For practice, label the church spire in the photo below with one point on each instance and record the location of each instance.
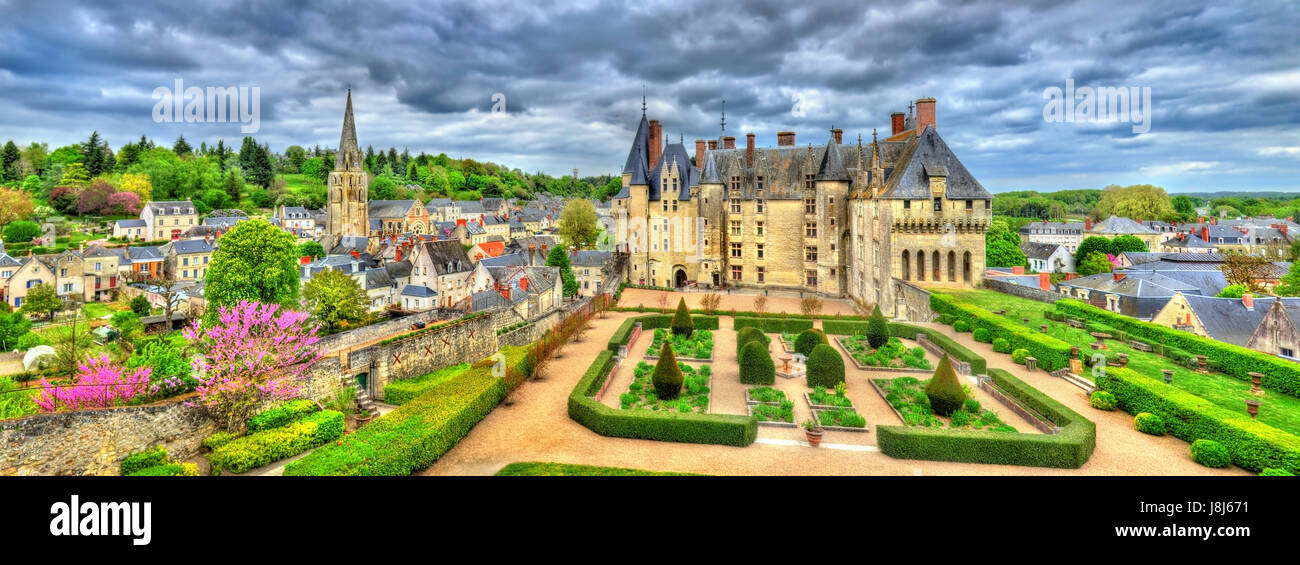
(349, 156)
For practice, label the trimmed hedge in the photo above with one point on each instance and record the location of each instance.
(168, 470)
(1102, 400)
(151, 457)
(844, 327)
(417, 433)
(401, 391)
(655, 425)
(218, 439)
(624, 331)
(271, 445)
(1051, 353)
(1149, 423)
(1068, 449)
(825, 367)
(1253, 445)
(750, 334)
(747, 313)
(281, 414)
(1279, 374)
(958, 351)
(756, 366)
(1210, 453)
(808, 339)
(774, 325)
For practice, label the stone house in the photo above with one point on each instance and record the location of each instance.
(398, 217)
(591, 269)
(1278, 332)
(1065, 234)
(31, 272)
(187, 259)
(1048, 257)
(169, 219)
(442, 266)
(102, 273)
(136, 229)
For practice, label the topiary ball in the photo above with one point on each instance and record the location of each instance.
(1018, 356)
(825, 367)
(667, 377)
(1001, 345)
(1149, 423)
(809, 339)
(756, 366)
(1102, 400)
(1210, 453)
(747, 335)
(945, 391)
(960, 326)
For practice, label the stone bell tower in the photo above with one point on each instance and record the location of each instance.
(348, 184)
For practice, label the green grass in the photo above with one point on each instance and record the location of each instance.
(699, 345)
(1278, 410)
(694, 396)
(403, 390)
(96, 310)
(569, 470)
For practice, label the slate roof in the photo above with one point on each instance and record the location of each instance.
(389, 208)
(447, 257)
(1135, 283)
(487, 300)
(832, 166)
(1040, 251)
(491, 204)
(145, 254)
(398, 269)
(589, 258)
(674, 155)
(637, 155)
(910, 180)
(190, 246)
(1227, 319)
(472, 207)
(377, 277)
(164, 207)
(131, 224)
(418, 290)
(507, 260)
(1053, 228)
(1118, 226)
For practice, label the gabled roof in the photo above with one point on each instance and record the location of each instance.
(507, 260)
(675, 155)
(910, 179)
(189, 246)
(390, 208)
(1120, 226)
(145, 254)
(447, 257)
(418, 291)
(1040, 251)
(131, 224)
(398, 269)
(1227, 319)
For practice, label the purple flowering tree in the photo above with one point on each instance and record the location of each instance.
(99, 384)
(255, 352)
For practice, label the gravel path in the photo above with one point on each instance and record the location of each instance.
(537, 428)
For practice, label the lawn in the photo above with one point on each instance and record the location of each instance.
(694, 396)
(569, 470)
(907, 395)
(698, 345)
(1278, 410)
(97, 310)
(403, 390)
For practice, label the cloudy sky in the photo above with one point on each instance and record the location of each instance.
(1224, 78)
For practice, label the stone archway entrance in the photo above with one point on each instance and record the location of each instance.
(679, 277)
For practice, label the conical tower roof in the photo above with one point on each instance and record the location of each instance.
(349, 157)
(832, 166)
(710, 174)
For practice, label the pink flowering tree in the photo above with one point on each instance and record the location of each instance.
(99, 384)
(123, 204)
(254, 352)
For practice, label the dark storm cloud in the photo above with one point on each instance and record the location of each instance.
(1223, 77)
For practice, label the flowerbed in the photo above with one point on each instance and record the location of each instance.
(820, 397)
(765, 395)
(907, 396)
(698, 345)
(843, 419)
(781, 414)
(892, 355)
(694, 396)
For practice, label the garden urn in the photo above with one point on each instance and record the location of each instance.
(1169, 376)
(814, 436)
(1252, 407)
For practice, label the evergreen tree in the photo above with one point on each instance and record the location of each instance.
(944, 390)
(221, 152)
(182, 147)
(93, 151)
(558, 258)
(9, 160)
(877, 328)
(682, 323)
(667, 376)
(234, 187)
(248, 153)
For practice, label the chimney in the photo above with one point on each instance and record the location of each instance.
(573, 251)
(896, 123)
(1087, 224)
(729, 142)
(1017, 270)
(1205, 233)
(1283, 228)
(523, 283)
(1117, 276)
(1045, 281)
(785, 138)
(1248, 301)
(925, 114)
(304, 260)
(1189, 318)
(839, 136)
(398, 255)
(355, 254)
(699, 153)
(656, 142)
(713, 144)
(749, 150)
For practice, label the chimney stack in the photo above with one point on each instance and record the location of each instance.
(1205, 234)
(1087, 224)
(656, 142)
(896, 123)
(1045, 281)
(729, 142)
(785, 138)
(839, 136)
(713, 144)
(523, 283)
(355, 254)
(699, 153)
(749, 150)
(925, 114)
(1248, 301)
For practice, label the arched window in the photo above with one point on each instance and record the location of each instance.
(920, 265)
(907, 265)
(935, 266)
(952, 266)
(965, 268)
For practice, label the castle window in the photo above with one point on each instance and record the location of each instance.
(759, 180)
(761, 273)
(735, 206)
(810, 229)
(970, 204)
(735, 227)
(907, 204)
(938, 204)
(808, 181)
(760, 251)
(674, 205)
(810, 254)
(735, 250)
(810, 205)
(736, 272)
(760, 229)
(812, 278)
(735, 183)
(665, 205)
(758, 206)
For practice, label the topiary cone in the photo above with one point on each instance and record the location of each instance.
(877, 328)
(682, 323)
(667, 377)
(756, 365)
(944, 391)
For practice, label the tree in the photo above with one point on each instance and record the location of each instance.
(252, 354)
(1127, 243)
(13, 326)
(1289, 285)
(877, 328)
(234, 186)
(64, 199)
(137, 184)
(167, 289)
(311, 249)
(558, 258)
(810, 305)
(99, 384)
(42, 299)
(140, 305)
(825, 367)
(32, 184)
(578, 224)
(1247, 270)
(296, 156)
(123, 204)
(1095, 263)
(382, 188)
(256, 262)
(756, 366)
(1092, 244)
(14, 205)
(1184, 206)
(944, 390)
(667, 376)
(21, 231)
(807, 340)
(75, 174)
(94, 198)
(760, 304)
(1139, 202)
(1002, 246)
(129, 329)
(1236, 290)
(681, 322)
(335, 299)
(710, 301)
(9, 157)
(182, 147)
(749, 334)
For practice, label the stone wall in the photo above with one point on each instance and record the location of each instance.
(531, 332)
(463, 342)
(367, 334)
(94, 442)
(912, 303)
(1021, 291)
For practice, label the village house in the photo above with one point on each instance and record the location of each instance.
(187, 259)
(169, 219)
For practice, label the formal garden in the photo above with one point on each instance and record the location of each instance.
(892, 355)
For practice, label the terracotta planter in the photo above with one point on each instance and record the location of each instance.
(363, 420)
(814, 437)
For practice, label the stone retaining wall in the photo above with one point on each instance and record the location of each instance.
(1021, 291)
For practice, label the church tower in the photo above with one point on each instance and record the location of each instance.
(348, 184)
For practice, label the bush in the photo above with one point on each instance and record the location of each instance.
(961, 326)
(30, 340)
(401, 391)
(809, 339)
(756, 366)
(140, 305)
(982, 335)
(21, 231)
(1271, 472)
(877, 328)
(1253, 445)
(273, 444)
(667, 377)
(217, 440)
(281, 414)
(1149, 423)
(948, 344)
(681, 324)
(151, 457)
(1018, 356)
(1052, 353)
(774, 325)
(1102, 400)
(1210, 453)
(944, 391)
(168, 470)
(1001, 345)
(748, 335)
(825, 367)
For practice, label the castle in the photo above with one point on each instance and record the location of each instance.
(855, 220)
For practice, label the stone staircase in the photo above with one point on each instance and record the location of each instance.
(1075, 380)
(364, 403)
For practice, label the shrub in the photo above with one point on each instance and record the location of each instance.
(747, 335)
(775, 325)
(825, 367)
(1253, 445)
(401, 391)
(947, 343)
(30, 340)
(148, 458)
(982, 335)
(877, 328)
(218, 439)
(681, 324)
(1272, 472)
(1210, 453)
(960, 326)
(808, 340)
(944, 390)
(1018, 356)
(1001, 345)
(667, 377)
(971, 405)
(1149, 423)
(271, 445)
(1052, 353)
(281, 414)
(168, 470)
(756, 366)
(1102, 400)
